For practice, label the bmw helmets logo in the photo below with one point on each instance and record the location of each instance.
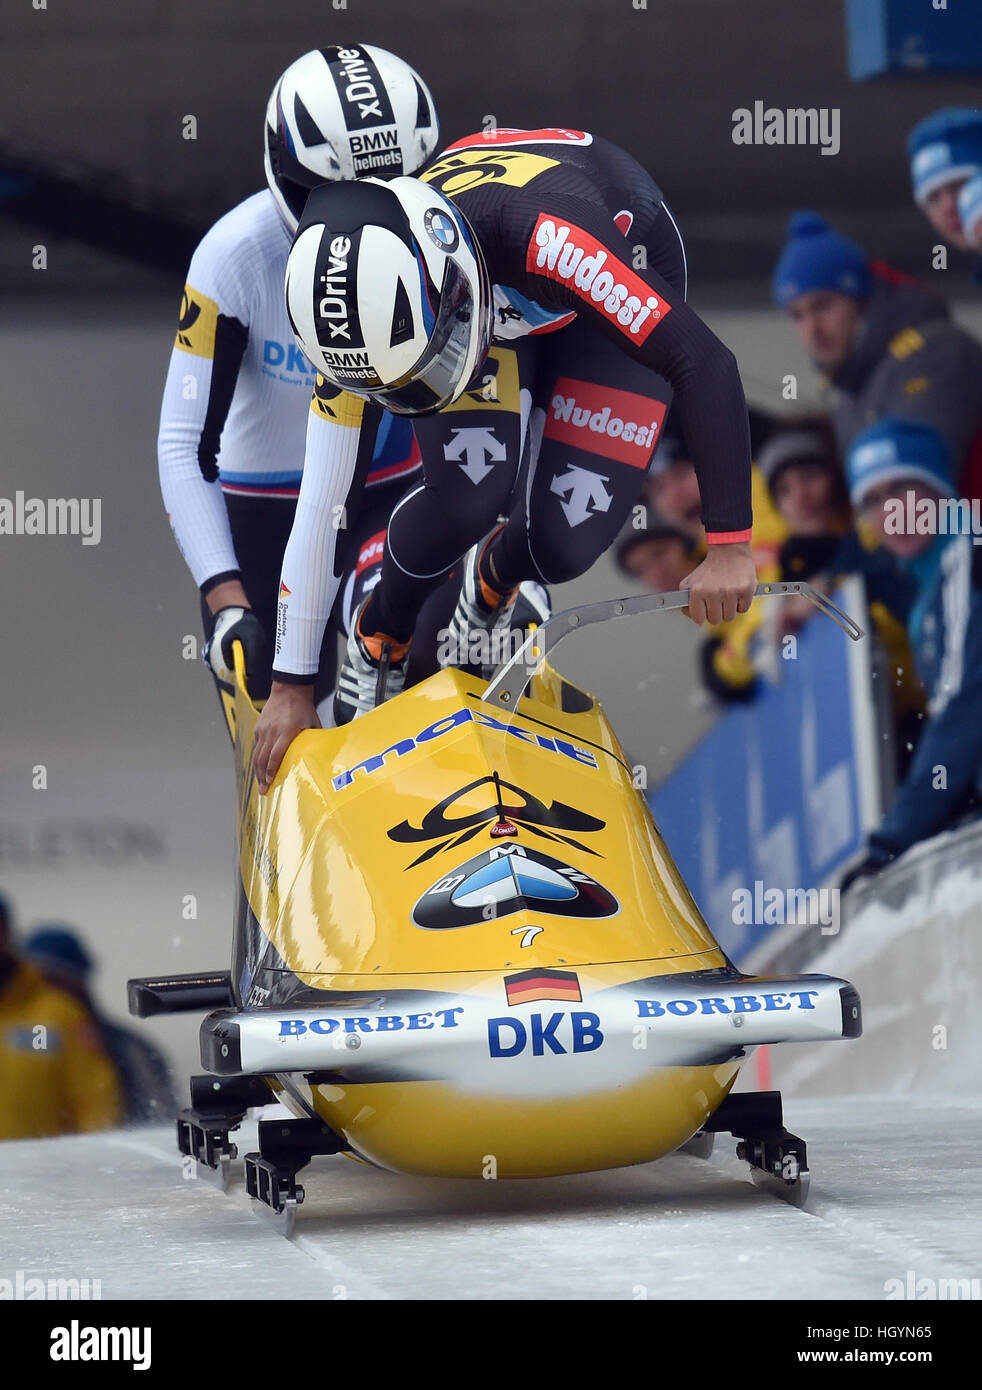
(441, 230)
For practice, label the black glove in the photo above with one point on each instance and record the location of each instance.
(235, 625)
(876, 860)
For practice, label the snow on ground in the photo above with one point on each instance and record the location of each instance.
(894, 1188)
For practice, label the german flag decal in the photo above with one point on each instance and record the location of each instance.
(530, 985)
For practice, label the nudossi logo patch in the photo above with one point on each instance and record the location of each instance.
(566, 253)
(615, 424)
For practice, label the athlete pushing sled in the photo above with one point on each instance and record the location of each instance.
(233, 419)
(526, 294)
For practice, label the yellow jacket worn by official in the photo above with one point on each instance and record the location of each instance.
(55, 1077)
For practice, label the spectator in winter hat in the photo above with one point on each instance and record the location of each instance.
(970, 211)
(144, 1076)
(945, 150)
(55, 1075)
(823, 280)
(900, 479)
(801, 467)
(807, 481)
(886, 346)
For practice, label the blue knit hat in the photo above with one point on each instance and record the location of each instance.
(946, 145)
(898, 449)
(59, 946)
(817, 258)
(970, 209)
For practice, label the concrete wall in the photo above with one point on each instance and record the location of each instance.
(911, 945)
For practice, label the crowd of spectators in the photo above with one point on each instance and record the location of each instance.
(870, 485)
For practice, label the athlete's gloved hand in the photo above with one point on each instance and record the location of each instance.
(235, 625)
(723, 585)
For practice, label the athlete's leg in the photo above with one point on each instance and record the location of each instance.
(471, 455)
(601, 415)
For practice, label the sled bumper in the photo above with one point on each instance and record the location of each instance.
(607, 1037)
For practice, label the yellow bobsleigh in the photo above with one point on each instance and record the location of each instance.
(462, 948)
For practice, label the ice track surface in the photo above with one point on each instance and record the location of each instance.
(894, 1188)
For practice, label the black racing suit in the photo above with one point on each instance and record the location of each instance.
(591, 328)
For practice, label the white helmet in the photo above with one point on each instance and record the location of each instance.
(388, 293)
(342, 113)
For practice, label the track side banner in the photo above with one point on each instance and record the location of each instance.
(779, 795)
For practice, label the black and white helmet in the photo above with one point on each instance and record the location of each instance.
(343, 113)
(388, 293)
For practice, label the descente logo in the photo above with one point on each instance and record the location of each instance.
(572, 256)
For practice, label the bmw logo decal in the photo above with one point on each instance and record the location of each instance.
(507, 879)
(440, 229)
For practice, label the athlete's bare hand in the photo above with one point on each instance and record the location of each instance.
(289, 710)
(723, 585)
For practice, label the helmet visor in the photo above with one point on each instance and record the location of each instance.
(457, 346)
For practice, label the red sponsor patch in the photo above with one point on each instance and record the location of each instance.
(624, 221)
(370, 553)
(509, 135)
(615, 424)
(563, 252)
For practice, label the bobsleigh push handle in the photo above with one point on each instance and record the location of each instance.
(238, 658)
(509, 681)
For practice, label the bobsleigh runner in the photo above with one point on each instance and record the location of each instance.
(462, 949)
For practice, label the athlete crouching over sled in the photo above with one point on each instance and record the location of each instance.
(233, 419)
(495, 300)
